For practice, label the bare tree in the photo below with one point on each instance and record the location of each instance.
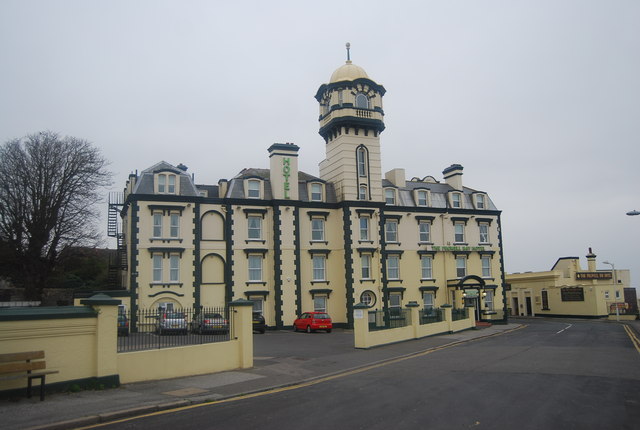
(49, 187)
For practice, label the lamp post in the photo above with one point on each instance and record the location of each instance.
(615, 284)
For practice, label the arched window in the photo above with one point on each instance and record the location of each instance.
(362, 163)
(362, 101)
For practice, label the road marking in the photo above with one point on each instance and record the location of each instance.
(632, 335)
(307, 383)
(566, 328)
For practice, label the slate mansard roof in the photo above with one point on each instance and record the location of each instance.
(236, 188)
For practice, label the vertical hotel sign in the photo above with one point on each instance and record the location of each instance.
(286, 172)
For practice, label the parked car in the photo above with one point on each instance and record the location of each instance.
(258, 323)
(171, 322)
(123, 325)
(312, 321)
(209, 322)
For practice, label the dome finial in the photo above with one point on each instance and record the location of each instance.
(348, 45)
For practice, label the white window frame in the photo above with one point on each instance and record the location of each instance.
(157, 268)
(420, 200)
(157, 225)
(480, 201)
(393, 270)
(254, 265)
(254, 232)
(361, 162)
(428, 300)
(362, 192)
(258, 304)
(320, 303)
(364, 228)
(171, 185)
(461, 267)
(390, 196)
(391, 234)
(367, 298)
(252, 191)
(488, 300)
(318, 267)
(458, 232)
(317, 230)
(486, 266)
(424, 231)
(426, 266)
(316, 192)
(174, 268)
(484, 233)
(365, 264)
(360, 96)
(174, 226)
(456, 200)
(162, 183)
(395, 300)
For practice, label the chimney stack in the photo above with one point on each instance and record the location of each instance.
(284, 170)
(591, 261)
(453, 176)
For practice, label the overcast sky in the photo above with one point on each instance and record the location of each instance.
(538, 100)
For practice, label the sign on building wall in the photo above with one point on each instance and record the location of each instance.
(594, 275)
(574, 294)
(286, 172)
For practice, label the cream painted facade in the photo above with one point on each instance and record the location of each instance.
(568, 290)
(293, 242)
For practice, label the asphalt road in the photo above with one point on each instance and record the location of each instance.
(549, 375)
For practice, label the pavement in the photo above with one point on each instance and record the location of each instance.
(281, 358)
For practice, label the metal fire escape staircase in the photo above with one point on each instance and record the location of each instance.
(117, 262)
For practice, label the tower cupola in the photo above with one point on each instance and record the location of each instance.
(351, 119)
(350, 99)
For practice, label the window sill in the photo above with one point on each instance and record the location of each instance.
(255, 283)
(394, 280)
(425, 243)
(365, 241)
(255, 241)
(165, 239)
(427, 280)
(485, 244)
(367, 280)
(460, 244)
(319, 282)
(321, 242)
(165, 284)
(393, 243)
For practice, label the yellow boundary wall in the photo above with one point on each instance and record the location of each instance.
(84, 346)
(363, 338)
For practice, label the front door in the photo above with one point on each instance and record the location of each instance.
(529, 309)
(473, 301)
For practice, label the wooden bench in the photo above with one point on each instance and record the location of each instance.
(29, 365)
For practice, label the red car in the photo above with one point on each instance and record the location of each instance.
(312, 321)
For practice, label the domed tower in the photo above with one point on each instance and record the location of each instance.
(351, 120)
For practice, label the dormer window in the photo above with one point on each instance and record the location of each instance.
(390, 196)
(166, 184)
(422, 198)
(456, 200)
(162, 183)
(316, 192)
(480, 201)
(362, 101)
(253, 189)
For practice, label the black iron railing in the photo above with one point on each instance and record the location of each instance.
(170, 328)
(459, 314)
(431, 315)
(389, 318)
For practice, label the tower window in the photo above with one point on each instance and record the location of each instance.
(362, 101)
(362, 163)
(362, 192)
